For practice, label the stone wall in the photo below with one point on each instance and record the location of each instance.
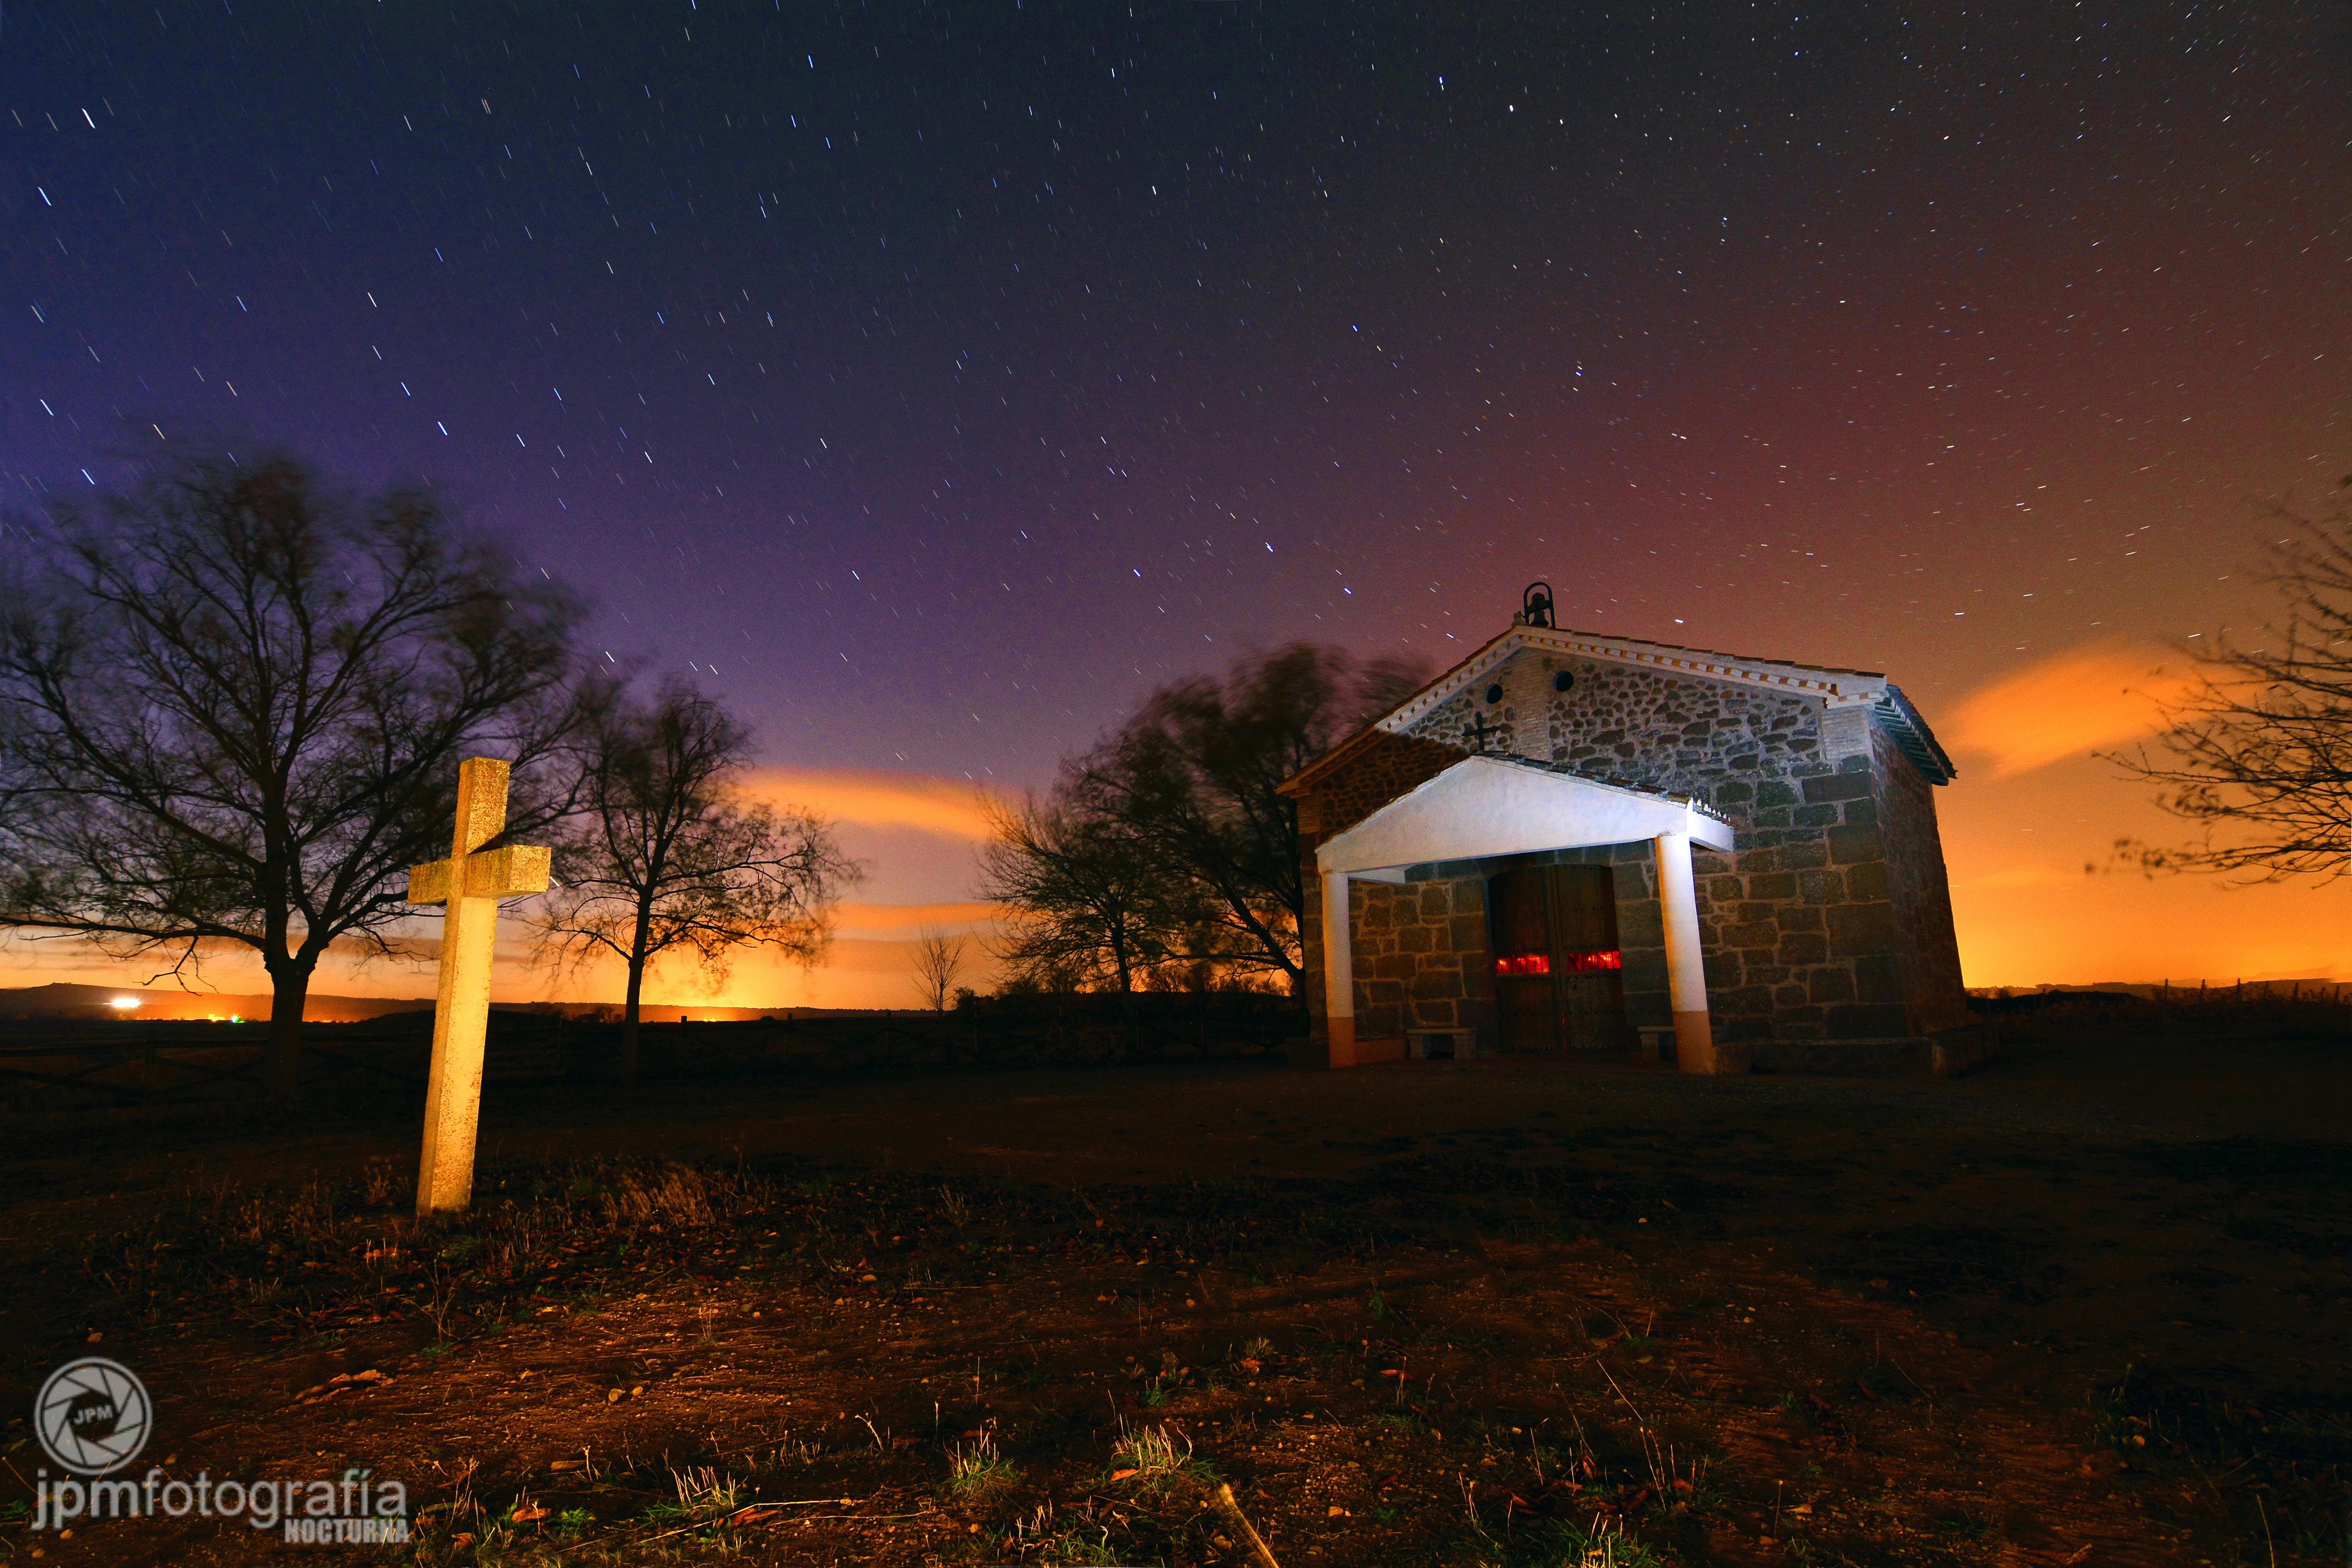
(1795, 923)
(1378, 769)
(1922, 893)
(1381, 768)
(1422, 957)
(1624, 721)
(1831, 919)
(1815, 936)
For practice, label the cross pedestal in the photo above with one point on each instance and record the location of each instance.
(471, 885)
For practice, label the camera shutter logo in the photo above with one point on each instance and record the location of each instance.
(93, 1415)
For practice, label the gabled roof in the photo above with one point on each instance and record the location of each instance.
(1835, 687)
(1911, 735)
(1484, 807)
(1346, 752)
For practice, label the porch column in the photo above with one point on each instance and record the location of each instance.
(1339, 971)
(1686, 969)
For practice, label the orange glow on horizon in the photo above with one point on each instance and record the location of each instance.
(2038, 894)
(2028, 830)
(2100, 695)
(870, 798)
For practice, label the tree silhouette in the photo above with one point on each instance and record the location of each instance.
(938, 958)
(665, 852)
(2258, 758)
(1190, 779)
(232, 701)
(1092, 904)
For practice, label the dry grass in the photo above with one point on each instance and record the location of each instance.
(1537, 1346)
(1434, 1411)
(978, 1471)
(1150, 1461)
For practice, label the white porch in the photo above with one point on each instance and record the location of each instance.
(1482, 807)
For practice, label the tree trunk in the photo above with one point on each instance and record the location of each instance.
(629, 1020)
(281, 1070)
(637, 989)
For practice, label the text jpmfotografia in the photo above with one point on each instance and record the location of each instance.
(353, 1510)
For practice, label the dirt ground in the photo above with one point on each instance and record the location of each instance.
(2086, 1306)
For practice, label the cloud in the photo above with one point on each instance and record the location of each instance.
(2097, 695)
(895, 922)
(868, 798)
(2014, 876)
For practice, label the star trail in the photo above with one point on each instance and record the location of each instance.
(935, 380)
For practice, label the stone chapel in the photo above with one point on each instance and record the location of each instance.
(1577, 841)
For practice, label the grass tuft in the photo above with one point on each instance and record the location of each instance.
(1147, 1461)
(978, 1471)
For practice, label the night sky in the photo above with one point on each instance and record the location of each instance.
(935, 381)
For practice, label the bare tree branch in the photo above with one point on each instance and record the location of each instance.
(231, 701)
(938, 958)
(666, 854)
(2259, 759)
(1092, 904)
(1193, 775)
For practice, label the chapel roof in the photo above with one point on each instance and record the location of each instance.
(1833, 686)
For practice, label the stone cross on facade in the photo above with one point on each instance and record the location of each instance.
(471, 885)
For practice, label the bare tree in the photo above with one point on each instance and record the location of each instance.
(1192, 776)
(2260, 757)
(938, 957)
(665, 852)
(232, 702)
(1091, 903)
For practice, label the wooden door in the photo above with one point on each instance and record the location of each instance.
(1559, 973)
(1518, 921)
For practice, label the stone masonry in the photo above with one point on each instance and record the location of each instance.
(1422, 957)
(1831, 919)
(1428, 969)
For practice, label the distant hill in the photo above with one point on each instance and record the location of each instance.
(63, 1001)
(2309, 989)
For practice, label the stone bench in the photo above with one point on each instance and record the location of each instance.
(1426, 1044)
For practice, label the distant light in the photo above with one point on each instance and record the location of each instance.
(125, 1003)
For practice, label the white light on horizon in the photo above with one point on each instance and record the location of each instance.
(124, 1003)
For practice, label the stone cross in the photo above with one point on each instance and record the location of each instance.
(471, 885)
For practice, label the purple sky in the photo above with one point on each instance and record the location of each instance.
(942, 379)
